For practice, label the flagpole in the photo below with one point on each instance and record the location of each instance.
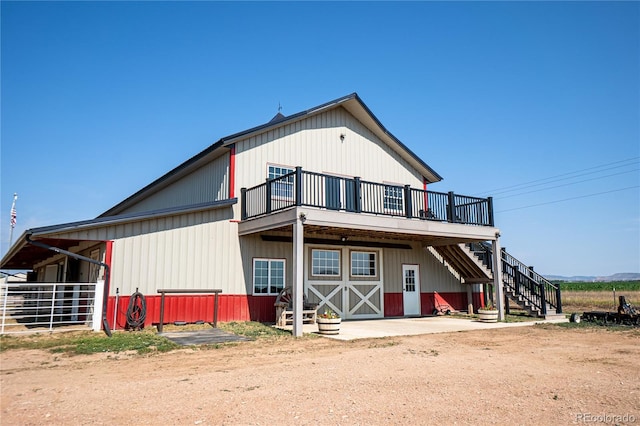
(13, 218)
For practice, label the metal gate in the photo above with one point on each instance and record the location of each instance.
(32, 307)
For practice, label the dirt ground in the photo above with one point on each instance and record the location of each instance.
(524, 375)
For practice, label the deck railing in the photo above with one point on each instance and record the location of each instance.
(31, 307)
(523, 280)
(303, 188)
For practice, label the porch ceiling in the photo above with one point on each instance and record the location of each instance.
(27, 255)
(327, 232)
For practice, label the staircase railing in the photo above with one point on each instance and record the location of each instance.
(522, 280)
(533, 287)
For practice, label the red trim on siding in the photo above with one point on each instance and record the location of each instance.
(108, 251)
(199, 307)
(232, 171)
(393, 305)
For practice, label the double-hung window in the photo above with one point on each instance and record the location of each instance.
(268, 276)
(282, 187)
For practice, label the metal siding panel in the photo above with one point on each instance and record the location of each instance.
(208, 183)
(314, 144)
(176, 255)
(434, 276)
(438, 277)
(393, 261)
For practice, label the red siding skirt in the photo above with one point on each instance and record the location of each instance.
(193, 308)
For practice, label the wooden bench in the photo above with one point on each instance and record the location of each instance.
(284, 308)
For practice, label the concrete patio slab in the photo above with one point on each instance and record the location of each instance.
(376, 328)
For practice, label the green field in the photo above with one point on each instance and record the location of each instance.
(599, 286)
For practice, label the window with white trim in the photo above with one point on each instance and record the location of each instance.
(325, 263)
(393, 198)
(268, 276)
(364, 264)
(282, 188)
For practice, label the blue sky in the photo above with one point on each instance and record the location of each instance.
(503, 98)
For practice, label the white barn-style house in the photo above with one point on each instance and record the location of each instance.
(326, 201)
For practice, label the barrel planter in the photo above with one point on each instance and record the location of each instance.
(328, 325)
(488, 315)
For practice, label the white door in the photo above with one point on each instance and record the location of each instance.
(411, 289)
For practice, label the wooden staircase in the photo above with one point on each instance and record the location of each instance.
(528, 289)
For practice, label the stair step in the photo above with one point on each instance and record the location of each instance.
(554, 316)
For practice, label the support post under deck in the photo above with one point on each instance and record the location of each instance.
(497, 277)
(298, 274)
(469, 299)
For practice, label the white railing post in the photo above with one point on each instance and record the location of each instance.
(4, 305)
(98, 298)
(53, 305)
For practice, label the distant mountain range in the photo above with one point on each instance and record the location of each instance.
(623, 276)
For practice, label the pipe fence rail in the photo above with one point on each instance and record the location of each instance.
(35, 307)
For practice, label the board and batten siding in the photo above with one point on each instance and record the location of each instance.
(314, 143)
(434, 275)
(206, 184)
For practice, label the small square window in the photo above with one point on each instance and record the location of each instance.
(325, 263)
(363, 264)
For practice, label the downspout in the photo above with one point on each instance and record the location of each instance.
(105, 323)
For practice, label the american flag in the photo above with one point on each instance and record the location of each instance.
(14, 216)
